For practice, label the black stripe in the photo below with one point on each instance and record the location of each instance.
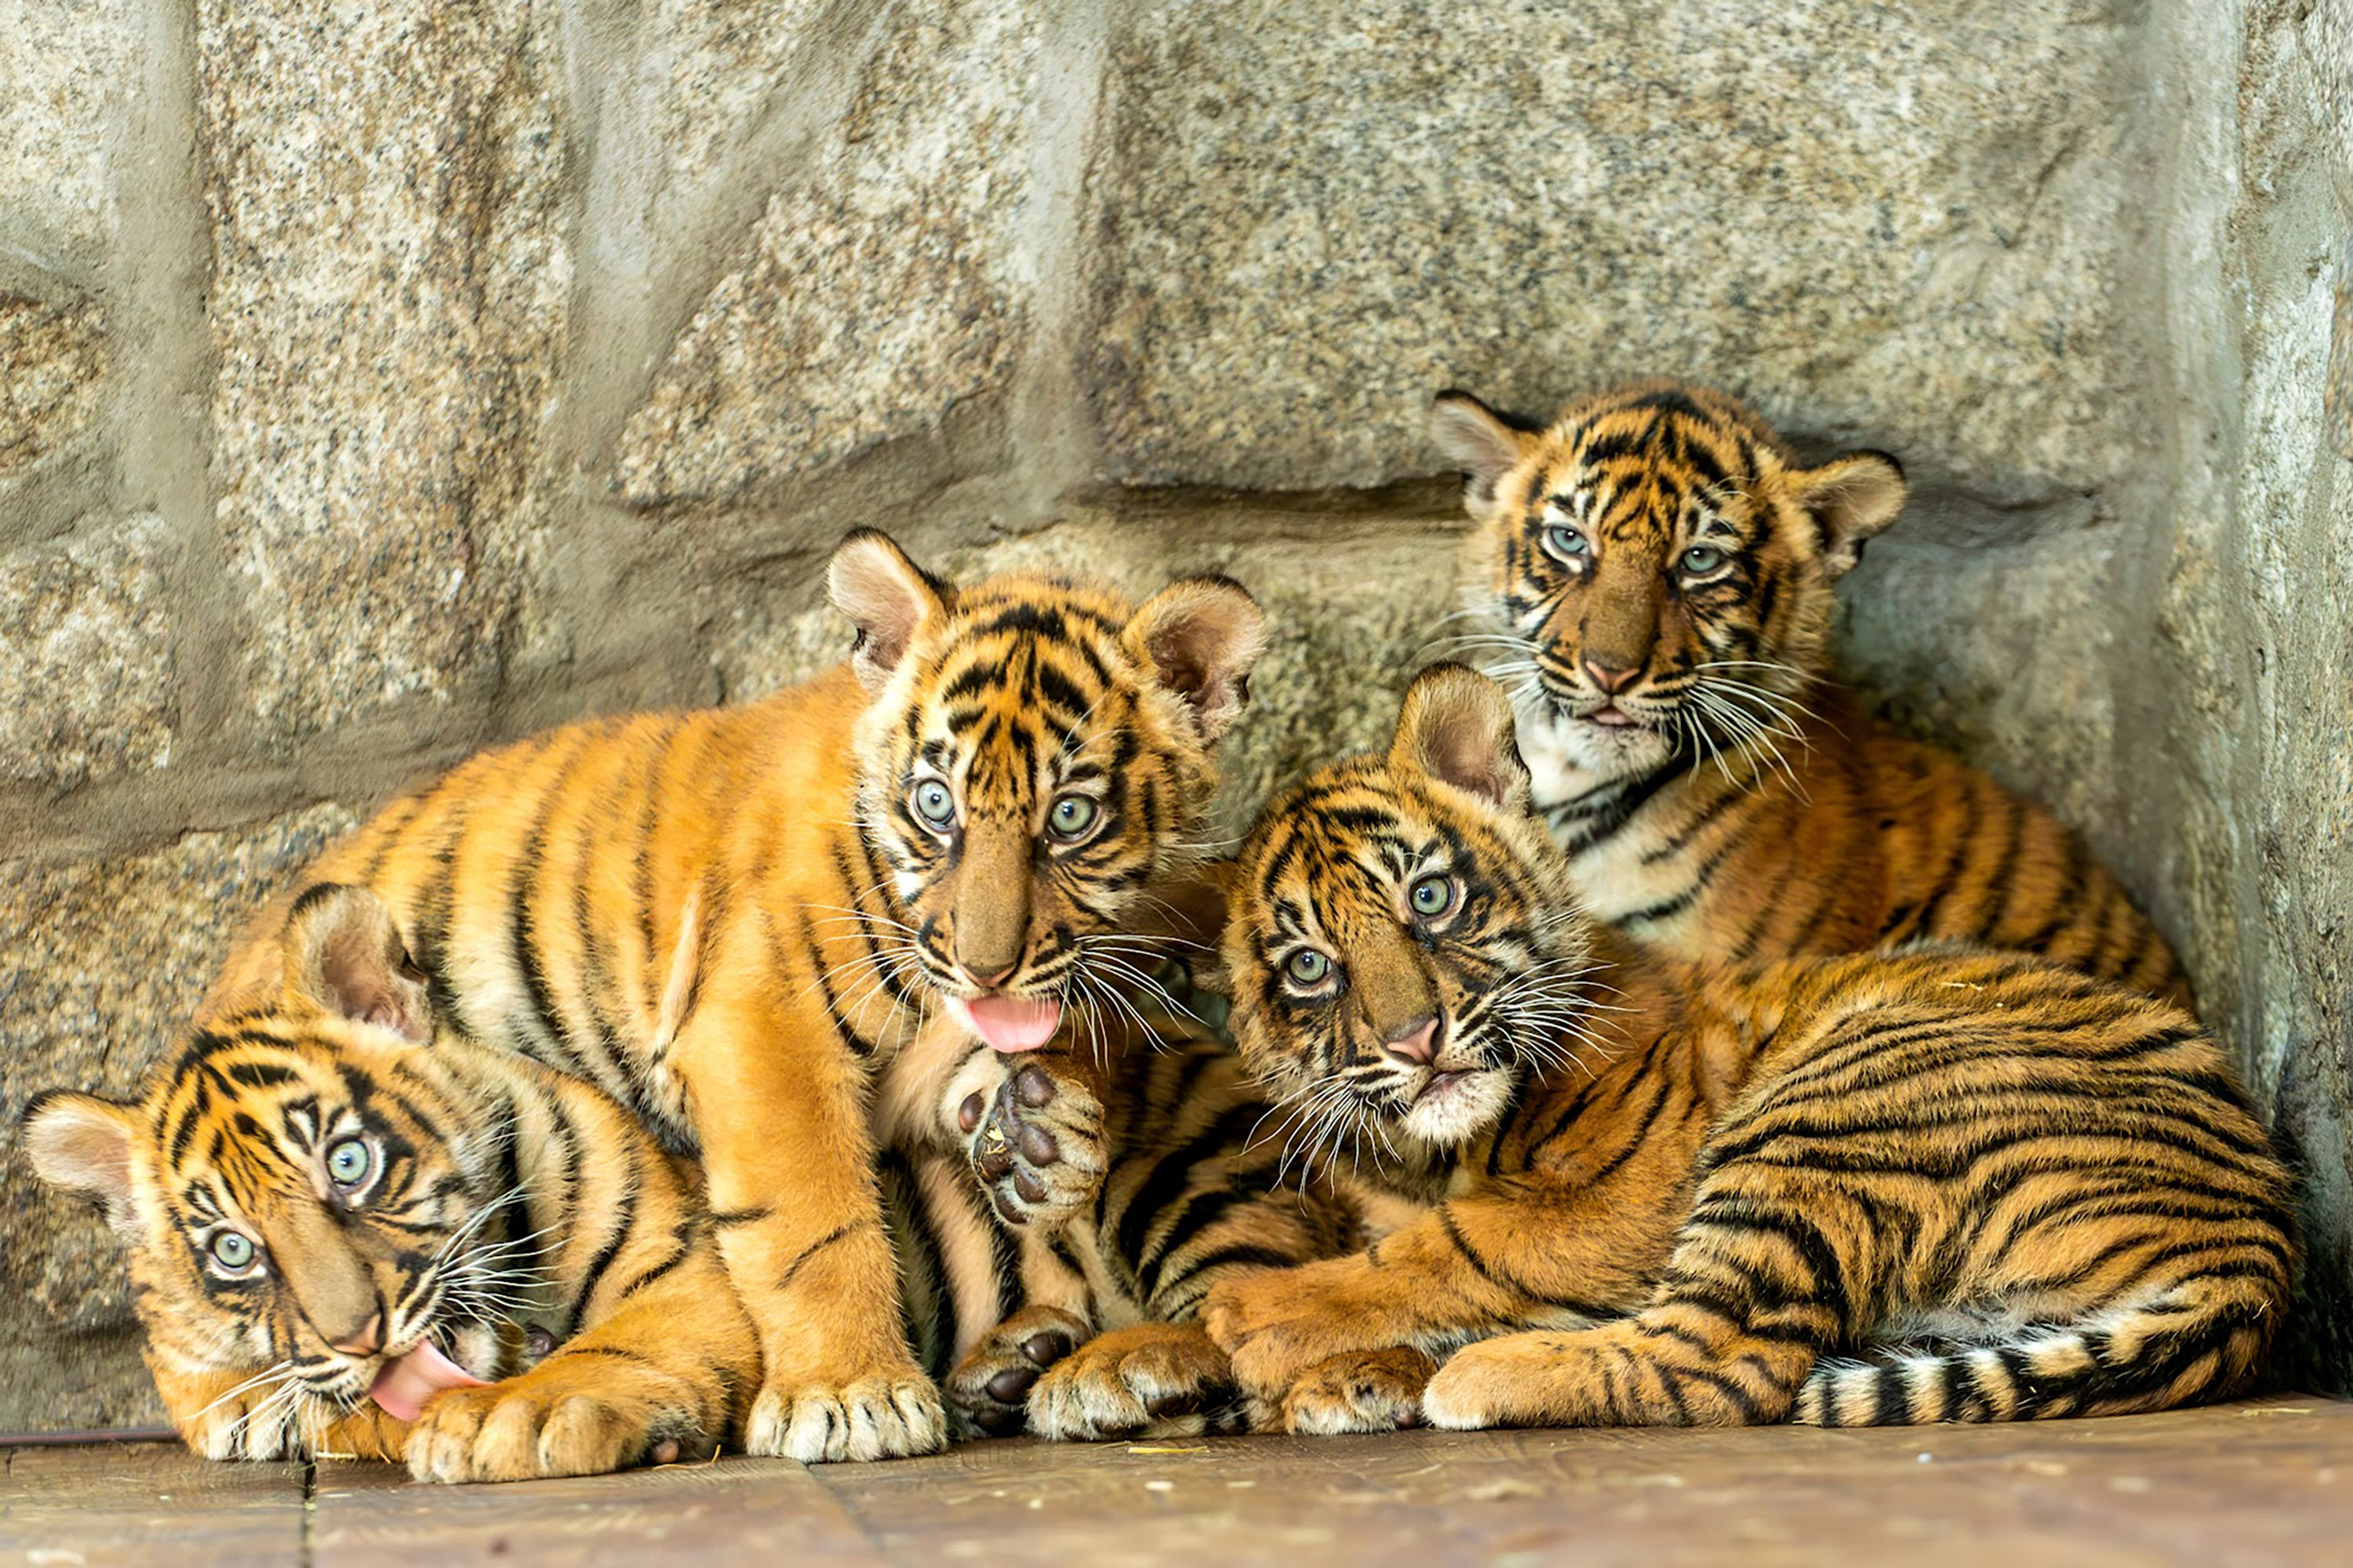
(813, 1248)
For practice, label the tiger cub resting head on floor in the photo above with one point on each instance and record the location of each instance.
(1948, 1184)
(1652, 576)
(352, 1233)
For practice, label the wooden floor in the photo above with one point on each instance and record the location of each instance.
(2266, 1482)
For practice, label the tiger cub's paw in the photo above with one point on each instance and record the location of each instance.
(991, 1384)
(529, 1427)
(891, 1415)
(1364, 1391)
(1151, 1380)
(1279, 1324)
(1036, 1144)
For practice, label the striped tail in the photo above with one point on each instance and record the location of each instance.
(2203, 1339)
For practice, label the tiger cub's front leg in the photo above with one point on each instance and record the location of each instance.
(661, 1377)
(789, 1161)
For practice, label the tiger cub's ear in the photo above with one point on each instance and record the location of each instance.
(1485, 444)
(83, 1144)
(1456, 728)
(1850, 498)
(1201, 635)
(343, 955)
(885, 595)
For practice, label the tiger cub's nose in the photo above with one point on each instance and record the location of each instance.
(1416, 1043)
(1611, 678)
(366, 1339)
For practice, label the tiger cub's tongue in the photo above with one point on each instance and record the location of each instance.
(403, 1385)
(1009, 1022)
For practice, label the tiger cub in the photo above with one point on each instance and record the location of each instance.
(353, 1231)
(733, 920)
(1943, 1184)
(1651, 577)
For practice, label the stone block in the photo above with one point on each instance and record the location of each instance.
(387, 306)
(53, 363)
(1897, 224)
(86, 676)
(878, 290)
(68, 69)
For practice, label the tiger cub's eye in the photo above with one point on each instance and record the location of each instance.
(935, 804)
(1433, 896)
(232, 1249)
(1308, 967)
(1566, 542)
(349, 1163)
(1071, 817)
(1702, 559)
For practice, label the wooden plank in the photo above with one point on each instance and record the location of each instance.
(137, 1503)
(1223, 1501)
(2246, 1485)
(738, 1510)
(2264, 1485)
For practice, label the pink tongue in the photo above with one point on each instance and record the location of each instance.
(403, 1385)
(1011, 1023)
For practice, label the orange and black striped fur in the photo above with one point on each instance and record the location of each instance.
(1940, 1184)
(311, 1190)
(733, 920)
(1076, 1318)
(1651, 577)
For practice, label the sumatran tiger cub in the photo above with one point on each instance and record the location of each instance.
(1651, 577)
(1930, 1185)
(344, 1218)
(733, 920)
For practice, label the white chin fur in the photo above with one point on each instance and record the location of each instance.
(1569, 756)
(1459, 1113)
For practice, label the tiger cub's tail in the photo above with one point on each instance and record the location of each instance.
(2201, 1339)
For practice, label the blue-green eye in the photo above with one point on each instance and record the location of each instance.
(1071, 817)
(232, 1249)
(349, 1163)
(1702, 559)
(1566, 542)
(935, 804)
(1433, 896)
(1308, 967)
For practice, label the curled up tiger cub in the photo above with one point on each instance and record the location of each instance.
(1948, 1184)
(1652, 578)
(352, 1231)
(734, 921)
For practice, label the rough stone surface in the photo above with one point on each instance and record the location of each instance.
(1896, 222)
(716, 62)
(86, 658)
(108, 958)
(68, 69)
(387, 306)
(878, 294)
(53, 360)
(2255, 603)
(1940, 633)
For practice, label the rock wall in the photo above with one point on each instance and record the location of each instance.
(379, 381)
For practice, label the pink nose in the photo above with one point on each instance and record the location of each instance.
(1417, 1043)
(366, 1339)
